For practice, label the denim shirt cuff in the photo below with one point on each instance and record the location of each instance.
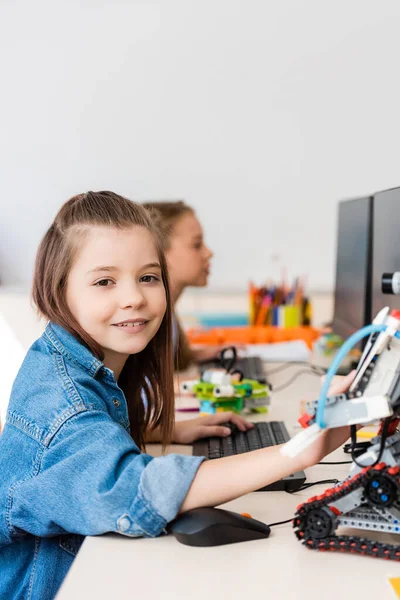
(163, 487)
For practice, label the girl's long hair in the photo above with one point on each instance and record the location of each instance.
(165, 215)
(151, 369)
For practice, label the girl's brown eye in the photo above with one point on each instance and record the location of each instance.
(149, 278)
(103, 282)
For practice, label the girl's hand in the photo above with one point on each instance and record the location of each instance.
(186, 432)
(340, 383)
(331, 439)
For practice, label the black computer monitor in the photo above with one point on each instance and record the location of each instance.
(353, 266)
(386, 246)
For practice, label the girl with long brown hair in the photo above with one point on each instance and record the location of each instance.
(71, 450)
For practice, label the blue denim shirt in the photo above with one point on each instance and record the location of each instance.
(69, 468)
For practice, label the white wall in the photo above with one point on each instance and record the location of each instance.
(262, 114)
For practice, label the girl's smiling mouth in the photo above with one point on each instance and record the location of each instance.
(132, 325)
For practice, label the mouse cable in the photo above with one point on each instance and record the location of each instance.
(305, 486)
(280, 522)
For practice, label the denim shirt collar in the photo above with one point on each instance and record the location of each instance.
(68, 345)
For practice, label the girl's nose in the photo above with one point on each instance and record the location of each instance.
(132, 297)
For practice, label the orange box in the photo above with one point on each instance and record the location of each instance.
(253, 335)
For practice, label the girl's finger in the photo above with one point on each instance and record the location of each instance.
(213, 431)
(341, 385)
(230, 417)
(220, 417)
(227, 417)
(241, 423)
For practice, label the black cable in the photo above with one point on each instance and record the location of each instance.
(311, 366)
(340, 462)
(280, 522)
(358, 449)
(297, 362)
(305, 486)
(384, 434)
(288, 383)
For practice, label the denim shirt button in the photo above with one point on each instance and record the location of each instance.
(124, 523)
(116, 402)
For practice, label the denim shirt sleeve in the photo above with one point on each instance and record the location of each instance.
(94, 480)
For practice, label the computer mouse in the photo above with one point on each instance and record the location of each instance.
(216, 527)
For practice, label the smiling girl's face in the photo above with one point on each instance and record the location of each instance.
(115, 291)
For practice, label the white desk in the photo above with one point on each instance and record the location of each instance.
(279, 567)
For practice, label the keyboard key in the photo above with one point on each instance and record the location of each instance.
(214, 447)
(253, 439)
(227, 446)
(280, 435)
(266, 436)
(241, 442)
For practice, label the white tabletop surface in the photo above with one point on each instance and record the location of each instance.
(122, 568)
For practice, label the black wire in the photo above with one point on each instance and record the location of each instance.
(359, 448)
(280, 522)
(384, 434)
(305, 486)
(340, 462)
(297, 362)
(288, 383)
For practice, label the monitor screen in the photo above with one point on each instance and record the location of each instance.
(353, 266)
(386, 246)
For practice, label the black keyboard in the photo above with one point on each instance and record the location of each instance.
(250, 366)
(262, 435)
